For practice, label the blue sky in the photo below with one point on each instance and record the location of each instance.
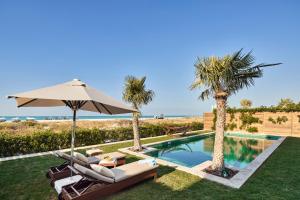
(47, 42)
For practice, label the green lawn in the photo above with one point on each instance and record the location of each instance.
(278, 178)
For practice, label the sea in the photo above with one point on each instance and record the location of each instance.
(99, 117)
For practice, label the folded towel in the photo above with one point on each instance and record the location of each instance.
(93, 160)
(149, 161)
(108, 161)
(108, 158)
(58, 185)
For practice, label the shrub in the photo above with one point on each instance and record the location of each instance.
(252, 129)
(248, 119)
(29, 123)
(272, 120)
(231, 126)
(279, 120)
(46, 140)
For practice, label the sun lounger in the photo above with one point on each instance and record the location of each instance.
(62, 171)
(94, 186)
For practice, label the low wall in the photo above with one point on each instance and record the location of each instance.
(291, 127)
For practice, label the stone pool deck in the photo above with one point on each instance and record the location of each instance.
(235, 182)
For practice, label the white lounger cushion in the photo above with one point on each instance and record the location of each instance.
(65, 181)
(93, 174)
(126, 171)
(108, 162)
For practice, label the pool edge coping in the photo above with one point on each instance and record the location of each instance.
(235, 182)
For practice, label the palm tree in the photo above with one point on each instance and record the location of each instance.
(222, 77)
(135, 93)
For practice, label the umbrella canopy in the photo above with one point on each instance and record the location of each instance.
(75, 95)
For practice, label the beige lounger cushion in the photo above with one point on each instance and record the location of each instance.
(126, 171)
(115, 155)
(93, 174)
(102, 170)
(93, 152)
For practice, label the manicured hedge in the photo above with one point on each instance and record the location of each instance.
(46, 140)
(264, 109)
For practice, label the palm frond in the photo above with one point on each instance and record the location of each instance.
(229, 73)
(205, 94)
(135, 92)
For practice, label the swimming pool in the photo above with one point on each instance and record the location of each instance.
(239, 149)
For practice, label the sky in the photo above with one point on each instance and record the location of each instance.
(43, 43)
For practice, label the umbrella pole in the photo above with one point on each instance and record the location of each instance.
(73, 137)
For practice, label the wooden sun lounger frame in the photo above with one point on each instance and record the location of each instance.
(91, 189)
(62, 171)
(58, 172)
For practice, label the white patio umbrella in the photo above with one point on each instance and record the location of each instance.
(74, 94)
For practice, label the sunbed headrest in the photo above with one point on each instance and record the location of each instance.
(68, 157)
(92, 174)
(59, 153)
(63, 155)
(81, 157)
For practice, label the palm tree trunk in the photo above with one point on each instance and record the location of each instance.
(136, 136)
(218, 156)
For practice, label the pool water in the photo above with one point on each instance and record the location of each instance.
(239, 150)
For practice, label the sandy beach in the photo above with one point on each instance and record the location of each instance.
(28, 127)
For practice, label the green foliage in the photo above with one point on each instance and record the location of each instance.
(135, 92)
(226, 75)
(274, 109)
(272, 120)
(46, 140)
(231, 126)
(286, 103)
(247, 120)
(246, 103)
(30, 123)
(279, 120)
(231, 117)
(252, 129)
(282, 119)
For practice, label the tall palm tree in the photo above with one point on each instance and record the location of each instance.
(222, 77)
(135, 92)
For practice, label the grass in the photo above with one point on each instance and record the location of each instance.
(278, 178)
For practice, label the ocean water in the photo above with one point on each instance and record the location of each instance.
(99, 117)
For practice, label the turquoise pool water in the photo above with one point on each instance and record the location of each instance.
(239, 149)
